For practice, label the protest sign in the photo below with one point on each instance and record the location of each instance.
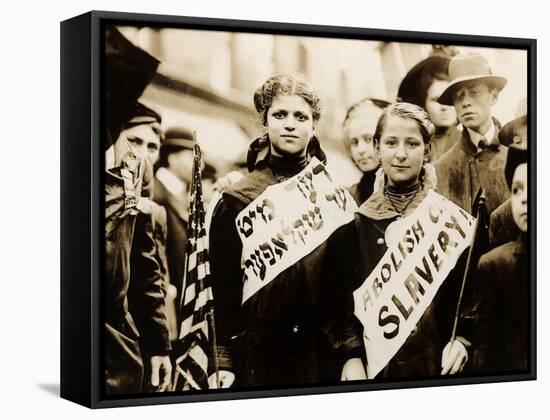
(422, 249)
(288, 221)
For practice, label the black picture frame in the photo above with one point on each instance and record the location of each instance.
(82, 208)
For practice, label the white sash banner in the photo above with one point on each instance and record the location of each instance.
(288, 221)
(422, 249)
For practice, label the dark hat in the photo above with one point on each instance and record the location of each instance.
(506, 133)
(515, 157)
(414, 86)
(128, 70)
(465, 68)
(179, 137)
(143, 114)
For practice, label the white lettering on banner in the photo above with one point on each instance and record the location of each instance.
(288, 221)
(422, 249)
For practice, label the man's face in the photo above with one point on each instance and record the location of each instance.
(473, 101)
(145, 141)
(519, 197)
(181, 164)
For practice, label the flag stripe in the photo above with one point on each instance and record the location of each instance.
(190, 294)
(193, 349)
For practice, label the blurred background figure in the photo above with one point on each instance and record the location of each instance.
(172, 184)
(422, 86)
(359, 127)
(208, 182)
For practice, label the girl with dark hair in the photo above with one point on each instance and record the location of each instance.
(289, 332)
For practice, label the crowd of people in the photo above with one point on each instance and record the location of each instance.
(438, 140)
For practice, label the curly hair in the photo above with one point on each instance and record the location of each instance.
(409, 111)
(285, 84)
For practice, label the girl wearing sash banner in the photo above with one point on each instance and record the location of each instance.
(291, 330)
(396, 286)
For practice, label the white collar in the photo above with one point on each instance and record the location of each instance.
(172, 183)
(110, 158)
(489, 136)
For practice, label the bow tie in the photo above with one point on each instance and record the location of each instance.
(482, 144)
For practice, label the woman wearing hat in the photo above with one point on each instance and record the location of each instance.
(422, 86)
(288, 332)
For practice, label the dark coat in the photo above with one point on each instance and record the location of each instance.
(496, 318)
(146, 299)
(129, 258)
(291, 331)
(364, 241)
(502, 227)
(443, 140)
(176, 235)
(462, 171)
(363, 189)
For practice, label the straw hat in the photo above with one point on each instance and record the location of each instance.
(465, 68)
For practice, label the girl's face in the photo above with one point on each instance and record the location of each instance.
(402, 151)
(289, 125)
(519, 197)
(360, 129)
(440, 115)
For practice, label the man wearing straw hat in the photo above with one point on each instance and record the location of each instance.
(477, 159)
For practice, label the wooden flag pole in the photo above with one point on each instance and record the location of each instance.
(210, 314)
(480, 202)
(214, 346)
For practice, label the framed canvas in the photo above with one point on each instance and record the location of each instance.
(255, 209)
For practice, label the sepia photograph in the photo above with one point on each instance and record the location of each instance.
(286, 211)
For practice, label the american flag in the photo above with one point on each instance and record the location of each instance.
(194, 349)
